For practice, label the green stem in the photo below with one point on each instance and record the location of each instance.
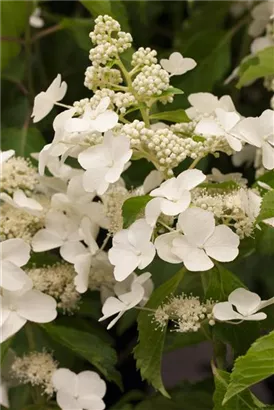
(30, 337)
(194, 163)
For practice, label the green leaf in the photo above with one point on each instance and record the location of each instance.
(243, 401)
(267, 207)
(89, 347)
(24, 142)
(80, 29)
(186, 396)
(267, 178)
(148, 352)
(20, 397)
(219, 282)
(172, 116)
(256, 365)
(4, 348)
(132, 208)
(169, 91)
(261, 65)
(14, 18)
(176, 340)
(116, 9)
(264, 240)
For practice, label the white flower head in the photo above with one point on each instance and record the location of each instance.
(44, 101)
(22, 306)
(14, 254)
(21, 201)
(251, 203)
(173, 196)
(79, 391)
(6, 155)
(176, 64)
(131, 249)
(222, 126)
(202, 240)
(105, 162)
(259, 132)
(35, 19)
(247, 305)
(261, 16)
(128, 295)
(101, 119)
(59, 229)
(207, 103)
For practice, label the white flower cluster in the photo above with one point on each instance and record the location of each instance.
(57, 281)
(186, 312)
(100, 77)
(36, 368)
(144, 56)
(151, 81)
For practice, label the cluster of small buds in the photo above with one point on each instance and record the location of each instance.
(227, 208)
(151, 81)
(186, 312)
(57, 281)
(102, 54)
(37, 369)
(104, 26)
(144, 56)
(101, 76)
(18, 173)
(16, 223)
(113, 201)
(124, 101)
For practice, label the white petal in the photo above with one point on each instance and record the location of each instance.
(111, 307)
(153, 211)
(153, 180)
(139, 234)
(11, 326)
(268, 155)
(197, 224)
(91, 402)
(82, 267)
(4, 398)
(16, 251)
(168, 189)
(76, 125)
(71, 250)
(44, 240)
(194, 259)
(269, 221)
(23, 201)
(66, 401)
(203, 102)
(209, 127)
(105, 121)
(66, 380)
(90, 383)
(147, 256)
(57, 89)
(37, 307)
(256, 316)
(93, 157)
(114, 173)
(6, 155)
(5, 310)
(42, 107)
(246, 302)
(234, 143)
(190, 179)
(227, 119)
(223, 311)
(248, 130)
(94, 180)
(128, 262)
(13, 278)
(163, 245)
(222, 244)
(174, 208)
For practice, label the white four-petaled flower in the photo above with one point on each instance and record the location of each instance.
(133, 291)
(44, 101)
(105, 162)
(21, 201)
(247, 306)
(201, 241)
(176, 64)
(131, 249)
(259, 131)
(173, 196)
(222, 126)
(206, 103)
(79, 391)
(24, 305)
(101, 119)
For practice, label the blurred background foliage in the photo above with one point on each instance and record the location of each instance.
(204, 30)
